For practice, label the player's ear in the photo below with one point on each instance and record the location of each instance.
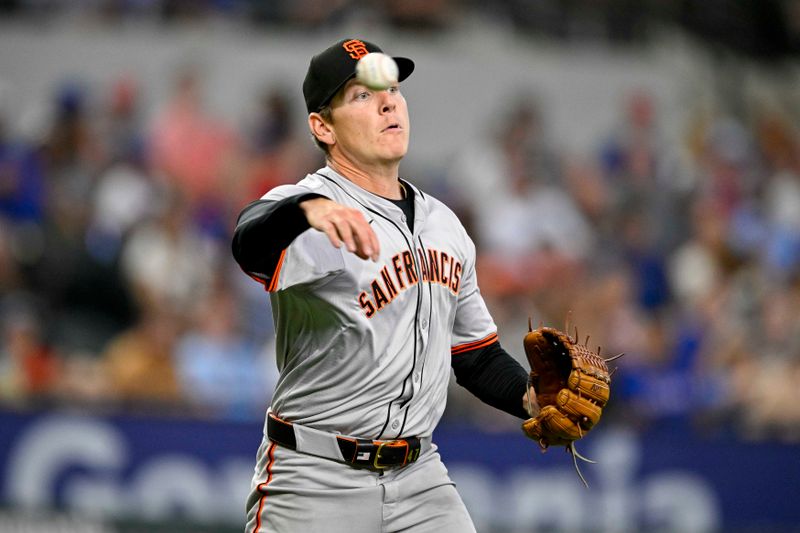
(320, 129)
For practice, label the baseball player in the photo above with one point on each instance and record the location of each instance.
(374, 296)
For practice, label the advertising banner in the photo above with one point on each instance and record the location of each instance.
(163, 469)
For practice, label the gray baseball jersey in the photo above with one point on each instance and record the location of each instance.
(364, 347)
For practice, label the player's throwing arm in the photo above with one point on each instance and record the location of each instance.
(342, 224)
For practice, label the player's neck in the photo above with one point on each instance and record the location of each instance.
(378, 179)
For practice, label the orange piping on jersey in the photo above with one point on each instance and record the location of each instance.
(261, 281)
(474, 345)
(263, 487)
(273, 284)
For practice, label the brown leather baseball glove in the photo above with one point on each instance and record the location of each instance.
(572, 388)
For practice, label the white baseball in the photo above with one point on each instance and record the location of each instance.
(377, 71)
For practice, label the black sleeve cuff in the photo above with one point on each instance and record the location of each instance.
(495, 377)
(264, 229)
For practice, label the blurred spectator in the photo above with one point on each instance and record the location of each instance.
(699, 267)
(88, 297)
(781, 194)
(123, 199)
(647, 262)
(167, 261)
(273, 124)
(22, 186)
(72, 151)
(276, 155)
(528, 228)
(764, 371)
(223, 373)
(727, 164)
(125, 194)
(84, 293)
(644, 178)
(511, 153)
(29, 370)
(120, 127)
(193, 152)
(529, 181)
(647, 193)
(139, 362)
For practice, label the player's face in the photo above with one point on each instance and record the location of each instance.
(370, 127)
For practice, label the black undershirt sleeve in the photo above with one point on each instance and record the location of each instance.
(495, 377)
(264, 229)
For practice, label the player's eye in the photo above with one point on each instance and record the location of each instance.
(361, 95)
(394, 89)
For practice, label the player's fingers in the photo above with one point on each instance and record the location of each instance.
(366, 240)
(345, 233)
(329, 229)
(530, 403)
(343, 225)
(360, 250)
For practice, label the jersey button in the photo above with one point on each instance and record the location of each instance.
(424, 323)
(395, 424)
(416, 377)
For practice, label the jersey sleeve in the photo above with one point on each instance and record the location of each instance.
(473, 327)
(274, 244)
(308, 260)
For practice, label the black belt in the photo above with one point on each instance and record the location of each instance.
(373, 454)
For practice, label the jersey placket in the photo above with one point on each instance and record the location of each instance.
(395, 221)
(390, 223)
(423, 313)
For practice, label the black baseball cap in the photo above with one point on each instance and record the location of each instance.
(329, 70)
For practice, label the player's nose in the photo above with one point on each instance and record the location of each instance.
(387, 103)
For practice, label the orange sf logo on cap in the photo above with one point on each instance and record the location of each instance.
(356, 48)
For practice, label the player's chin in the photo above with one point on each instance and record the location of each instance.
(394, 156)
(395, 147)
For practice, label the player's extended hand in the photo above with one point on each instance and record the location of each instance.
(342, 224)
(530, 403)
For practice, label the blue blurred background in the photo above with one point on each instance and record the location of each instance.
(632, 166)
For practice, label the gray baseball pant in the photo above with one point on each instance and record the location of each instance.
(294, 492)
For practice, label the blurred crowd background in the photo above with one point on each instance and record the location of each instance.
(680, 248)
